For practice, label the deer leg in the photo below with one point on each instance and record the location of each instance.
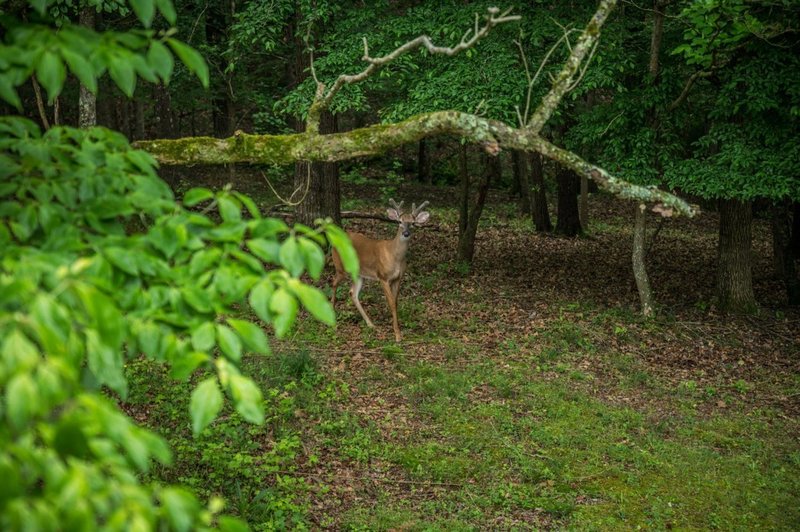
(354, 291)
(390, 297)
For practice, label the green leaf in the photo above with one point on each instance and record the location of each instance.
(259, 299)
(203, 337)
(314, 301)
(253, 336)
(232, 524)
(9, 93)
(122, 72)
(291, 257)
(268, 227)
(82, 68)
(196, 195)
(22, 400)
(122, 259)
(203, 260)
(341, 242)
(205, 404)
(229, 209)
(105, 363)
(181, 507)
(168, 10)
(19, 353)
(144, 9)
(184, 364)
(247, 398)
(266, 250)
(192, 59)
(314, 257)
(229, 342)
(284, 310)
(251, 206)
(197, 298)
(160, 60)
(51, 74)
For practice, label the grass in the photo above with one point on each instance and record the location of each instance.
(472, 423)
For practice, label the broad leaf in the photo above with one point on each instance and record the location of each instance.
(205, 404)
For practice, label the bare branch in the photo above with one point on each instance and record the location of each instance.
(564, 80)
(686, 88)
(493, 19)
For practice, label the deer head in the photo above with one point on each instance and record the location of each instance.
(407, 221)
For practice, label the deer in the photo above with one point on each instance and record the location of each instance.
(382, 260)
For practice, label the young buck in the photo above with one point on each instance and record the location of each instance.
(382, 260)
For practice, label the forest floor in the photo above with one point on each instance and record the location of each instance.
(527, 391)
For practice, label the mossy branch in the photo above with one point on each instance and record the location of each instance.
(378, 139)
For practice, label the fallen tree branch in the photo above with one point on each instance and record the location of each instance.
(378, 139)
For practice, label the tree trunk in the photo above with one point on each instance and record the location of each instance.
(466, 238)
(783, 258)
(734, 271)
(424, 162)
(794, 244)
(87, 102)
(584, 203)
(639, 270)
(541, 215)
(463, 206)
(222, 105)
(568, 222)
(139, 132)
(321, 180)
(639, 251)
(166, 126)
(520, 171)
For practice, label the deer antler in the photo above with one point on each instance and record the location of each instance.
(416, 210)
(395, 206)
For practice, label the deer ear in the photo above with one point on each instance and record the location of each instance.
(393, 214)
(422, 218)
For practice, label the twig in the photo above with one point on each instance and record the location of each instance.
(40, 103)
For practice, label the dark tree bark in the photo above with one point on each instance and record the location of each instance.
(166, 125)
(139, 131)
(424, 162)
(323, 198)
(794, 244)
(734, 273)
(568, 222)
(541, 215)
(87, 102)
(471, 213)
(584, 203)
(521, 178)
(223, 111)
(783, 258)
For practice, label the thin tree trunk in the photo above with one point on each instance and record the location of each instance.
(734, 272)
(164, 106)
(40, 103)
(520, 171)
(466, 239)
(541, 215)
(794, 244)
(639, 251)
(87, 102)
(584, 203)
(783, 259)
(463, 207)
(424, 162)
(139, 119)
(568, 222)
(639, 271)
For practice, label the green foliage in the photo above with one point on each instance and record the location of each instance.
(32, 47)
(99, 266)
